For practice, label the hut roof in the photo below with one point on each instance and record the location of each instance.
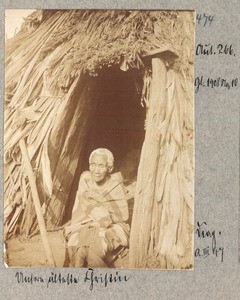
(92, 39)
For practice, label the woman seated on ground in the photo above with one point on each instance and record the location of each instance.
(100, 214)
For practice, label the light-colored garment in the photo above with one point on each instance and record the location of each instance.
(99, 216)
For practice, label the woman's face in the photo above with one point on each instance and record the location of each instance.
(98, 167)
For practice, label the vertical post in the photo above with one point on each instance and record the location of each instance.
(37, 204)
(147, 171)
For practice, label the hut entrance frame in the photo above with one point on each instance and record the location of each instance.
(116, 122)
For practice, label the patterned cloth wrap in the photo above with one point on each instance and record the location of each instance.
(99, 215)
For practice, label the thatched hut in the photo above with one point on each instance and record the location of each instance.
(80, 79)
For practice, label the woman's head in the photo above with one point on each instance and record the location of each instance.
(100, 164)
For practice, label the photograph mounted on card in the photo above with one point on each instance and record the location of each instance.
(99, 139)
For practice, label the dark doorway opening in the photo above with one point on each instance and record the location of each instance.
(117, 124)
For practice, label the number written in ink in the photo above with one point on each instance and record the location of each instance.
(204, 19)
(225, 49)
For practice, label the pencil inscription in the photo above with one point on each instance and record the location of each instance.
(204, 233)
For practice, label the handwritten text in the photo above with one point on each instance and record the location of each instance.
(209, 237)
(218, 82)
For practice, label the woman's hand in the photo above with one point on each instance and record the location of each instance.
(92, 195)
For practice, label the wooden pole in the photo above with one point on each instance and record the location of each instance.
(36, 203)
(144, 203)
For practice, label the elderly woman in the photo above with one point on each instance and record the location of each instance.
(98, 225)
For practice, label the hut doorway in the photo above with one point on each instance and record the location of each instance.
(116, 123)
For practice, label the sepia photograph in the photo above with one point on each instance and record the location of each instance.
(99, 153)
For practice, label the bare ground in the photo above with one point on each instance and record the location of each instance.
(25, 253)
